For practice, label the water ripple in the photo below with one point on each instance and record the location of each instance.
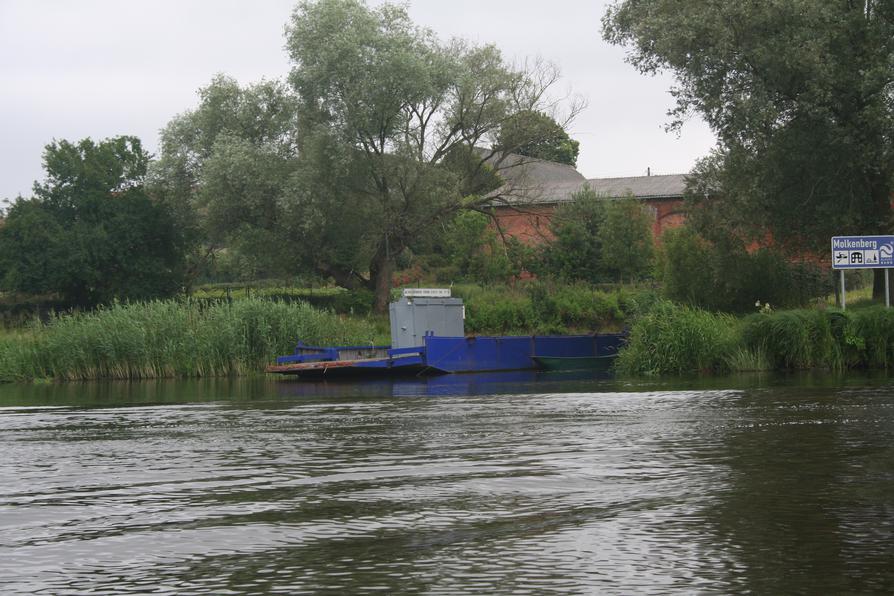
(655, 492)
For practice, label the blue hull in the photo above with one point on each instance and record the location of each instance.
(441, 355)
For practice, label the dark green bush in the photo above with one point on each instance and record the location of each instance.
(497, 311)
(673, 339)
(799, 339)
(724, 276)
(355, 302)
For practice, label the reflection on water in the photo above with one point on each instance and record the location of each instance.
(512, 483)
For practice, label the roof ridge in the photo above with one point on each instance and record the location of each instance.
(632, 177)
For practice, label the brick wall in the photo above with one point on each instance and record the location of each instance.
(530, 225)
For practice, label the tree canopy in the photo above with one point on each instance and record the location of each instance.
(598, 239)
(801, 96)
(90, 233)
(223, 170)
(397, 125)
(382, 132)
(575, 252)
(535, 134)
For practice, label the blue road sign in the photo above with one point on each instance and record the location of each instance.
(862, 252)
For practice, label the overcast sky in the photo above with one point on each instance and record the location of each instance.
(100, 68)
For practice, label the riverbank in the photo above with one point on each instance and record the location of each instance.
(671, 339)
(239, 336)
(233, 335)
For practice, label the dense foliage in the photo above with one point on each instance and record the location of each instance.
(224, 167)
(539, 307)
(724, 276)
(535, 134)
(799, 93)
(474, 250)
(91, 233)
(382, 133)
(598, 240)
(675, 339)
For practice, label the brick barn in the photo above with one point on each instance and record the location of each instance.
(534, 188)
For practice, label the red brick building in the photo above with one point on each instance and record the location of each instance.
(524, 206)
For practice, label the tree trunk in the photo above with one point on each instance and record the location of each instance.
(380, 275)
(881, 196)
(344, 279)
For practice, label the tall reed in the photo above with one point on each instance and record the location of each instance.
(869, 337)
(674, 339)
(173, 338)
(798, 339)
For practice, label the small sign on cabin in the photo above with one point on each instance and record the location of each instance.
(426, 292)
(862, 252)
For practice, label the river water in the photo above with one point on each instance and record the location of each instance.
(519, 483)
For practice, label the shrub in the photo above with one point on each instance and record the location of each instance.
(575, 253)
(724, 276)
(475, 249)
(495, 312)
(541, 307)
(355, 302)
(628, 248)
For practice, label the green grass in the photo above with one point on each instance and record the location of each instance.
(748, 360)
(174, 339)
(853, 297)
(266, 290)
(215, 337)
(672, 339)
(537, 307)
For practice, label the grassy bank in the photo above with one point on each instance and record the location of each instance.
(237, 336)
(173, 338)
(673, 339)
(232, 333)
(544, 308)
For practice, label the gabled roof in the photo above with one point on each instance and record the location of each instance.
(667, 186)
(531, 181)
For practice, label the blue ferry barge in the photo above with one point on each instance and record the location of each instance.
(428, 339)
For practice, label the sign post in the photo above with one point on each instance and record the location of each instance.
(887, 290)
(843, 292)
(863, 252)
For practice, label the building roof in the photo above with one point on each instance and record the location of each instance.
(531, 181)
(666, 186)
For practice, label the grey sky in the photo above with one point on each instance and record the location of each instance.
(101, 68)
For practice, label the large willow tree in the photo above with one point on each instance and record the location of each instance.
(801, 96)
(382, 133)
(399, 130)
